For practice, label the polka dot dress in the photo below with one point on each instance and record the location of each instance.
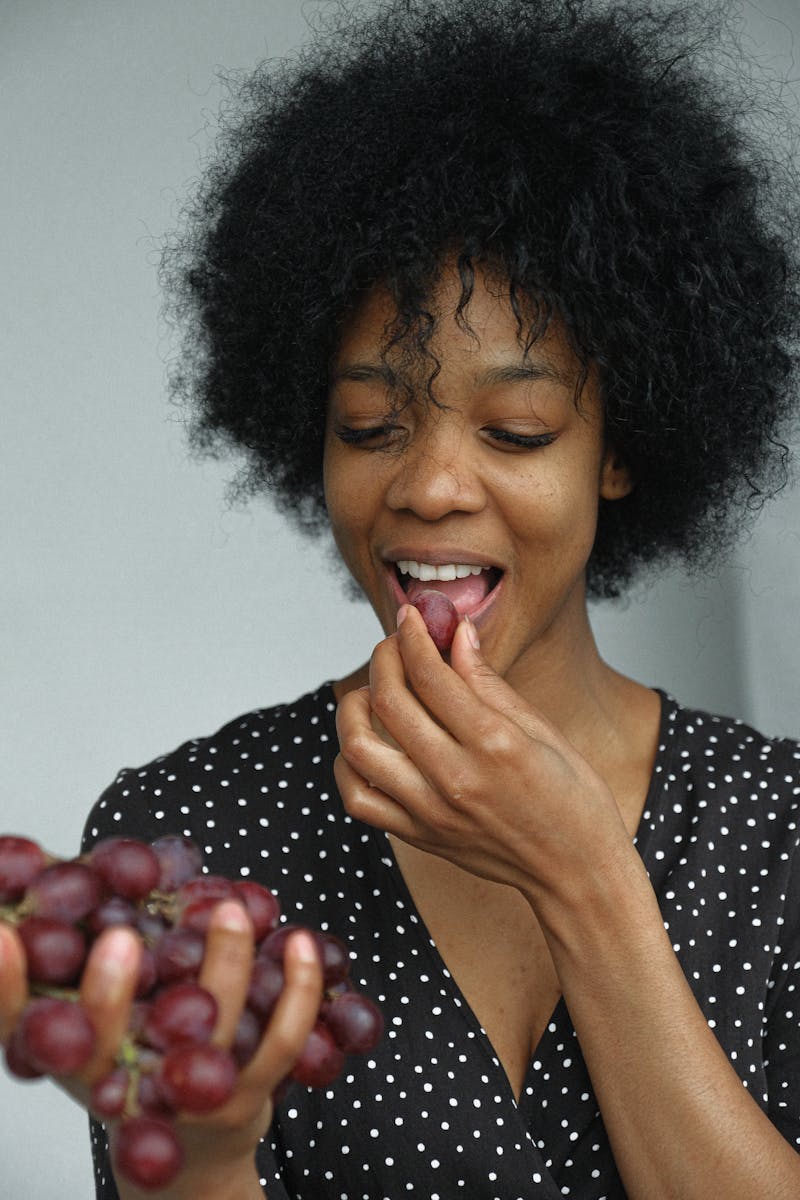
(430, 1113)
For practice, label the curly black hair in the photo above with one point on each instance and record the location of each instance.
(594, 155)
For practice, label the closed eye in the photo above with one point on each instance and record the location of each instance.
(371, 437)
(522, 441)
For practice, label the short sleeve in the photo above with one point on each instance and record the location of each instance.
(106, 1188)
(782, 1025)
(116, 814)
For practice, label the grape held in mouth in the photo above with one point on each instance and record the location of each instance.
(440, 616)
(166, 1062)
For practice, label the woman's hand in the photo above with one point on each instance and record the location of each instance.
(220, 1147)
(469, 771)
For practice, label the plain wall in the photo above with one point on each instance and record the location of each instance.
(138, 608)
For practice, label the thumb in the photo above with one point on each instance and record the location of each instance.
(467, 661)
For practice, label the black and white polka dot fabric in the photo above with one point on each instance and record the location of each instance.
(430, 1112)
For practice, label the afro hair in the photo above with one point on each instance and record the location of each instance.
(598, 157)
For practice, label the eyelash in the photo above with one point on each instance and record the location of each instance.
(378, 437)
(524, 441)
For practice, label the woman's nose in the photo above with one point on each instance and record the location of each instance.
(436, 475)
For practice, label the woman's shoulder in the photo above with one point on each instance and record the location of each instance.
(260, 753)
(722, 775)
(718, 740)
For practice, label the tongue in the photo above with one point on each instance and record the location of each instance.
(465, 594)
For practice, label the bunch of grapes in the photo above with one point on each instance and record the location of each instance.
(167, 1062)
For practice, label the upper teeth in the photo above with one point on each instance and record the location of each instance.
(427, 571)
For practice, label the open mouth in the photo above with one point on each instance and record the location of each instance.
(467, 585)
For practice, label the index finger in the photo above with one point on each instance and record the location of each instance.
(13, 981)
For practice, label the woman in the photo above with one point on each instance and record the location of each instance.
(503, 294)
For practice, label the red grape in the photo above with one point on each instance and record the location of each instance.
(261, 904)
(56, 1036)
(333, 953)
(168, 1063)
(67, 890)
(149, 1096)
(108, 1095)
(179, 955)
(266, 985)
(21, 860)
(247, 1037)
(181, 1014)
(197, 1079)
(17, 1060)
(148, 973)
(179, 860)
(113, 910)
(355, 1022)
(54, 951)
(440, 616)
(147, 1152)
(128, 868)
(320, 1061)
(335, 959)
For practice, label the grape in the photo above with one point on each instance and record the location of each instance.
(179, 955)
(182, 1013)
(149, 1096)
(440, 616)
(197, 899)
(67, 890)
(261, 904)
(108, 1095)
(147, 1152)
(274, 944)
(148, 973)
(197, 1079)
(179, 861)
(355, 1022)
(333, 953)
(127, 868)
(54, 951)
(17, 1061)
(114, 910)
(56, 1036)
(335, 959)
(266, 985)
(320, 1061)
(247, 1036)
(21, 860)
(167, 1063)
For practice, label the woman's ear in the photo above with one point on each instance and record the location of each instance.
(616, 480)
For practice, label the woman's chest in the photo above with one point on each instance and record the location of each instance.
(494, 949)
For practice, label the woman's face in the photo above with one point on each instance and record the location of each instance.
(492, 495)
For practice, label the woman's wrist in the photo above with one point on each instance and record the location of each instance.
(228, 1183)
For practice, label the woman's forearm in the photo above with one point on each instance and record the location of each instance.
(225, 1185)
(681, 1124)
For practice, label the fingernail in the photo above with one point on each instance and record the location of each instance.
(230, 914)
(118, 954)
(472, 634)
(402, 613)
(304, 946)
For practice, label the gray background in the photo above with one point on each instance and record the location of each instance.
(138, 608)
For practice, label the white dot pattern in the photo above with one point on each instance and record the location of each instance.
(430, 1113)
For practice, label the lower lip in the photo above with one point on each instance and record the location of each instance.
(478, 616)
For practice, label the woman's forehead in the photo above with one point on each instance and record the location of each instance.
(483, 326)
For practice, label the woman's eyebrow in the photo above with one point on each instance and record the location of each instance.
(365, 372)
(519, 373)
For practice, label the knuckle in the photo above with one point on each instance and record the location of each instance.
(354, 748)
(423, 676)
(384, 701)
(496, 739)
